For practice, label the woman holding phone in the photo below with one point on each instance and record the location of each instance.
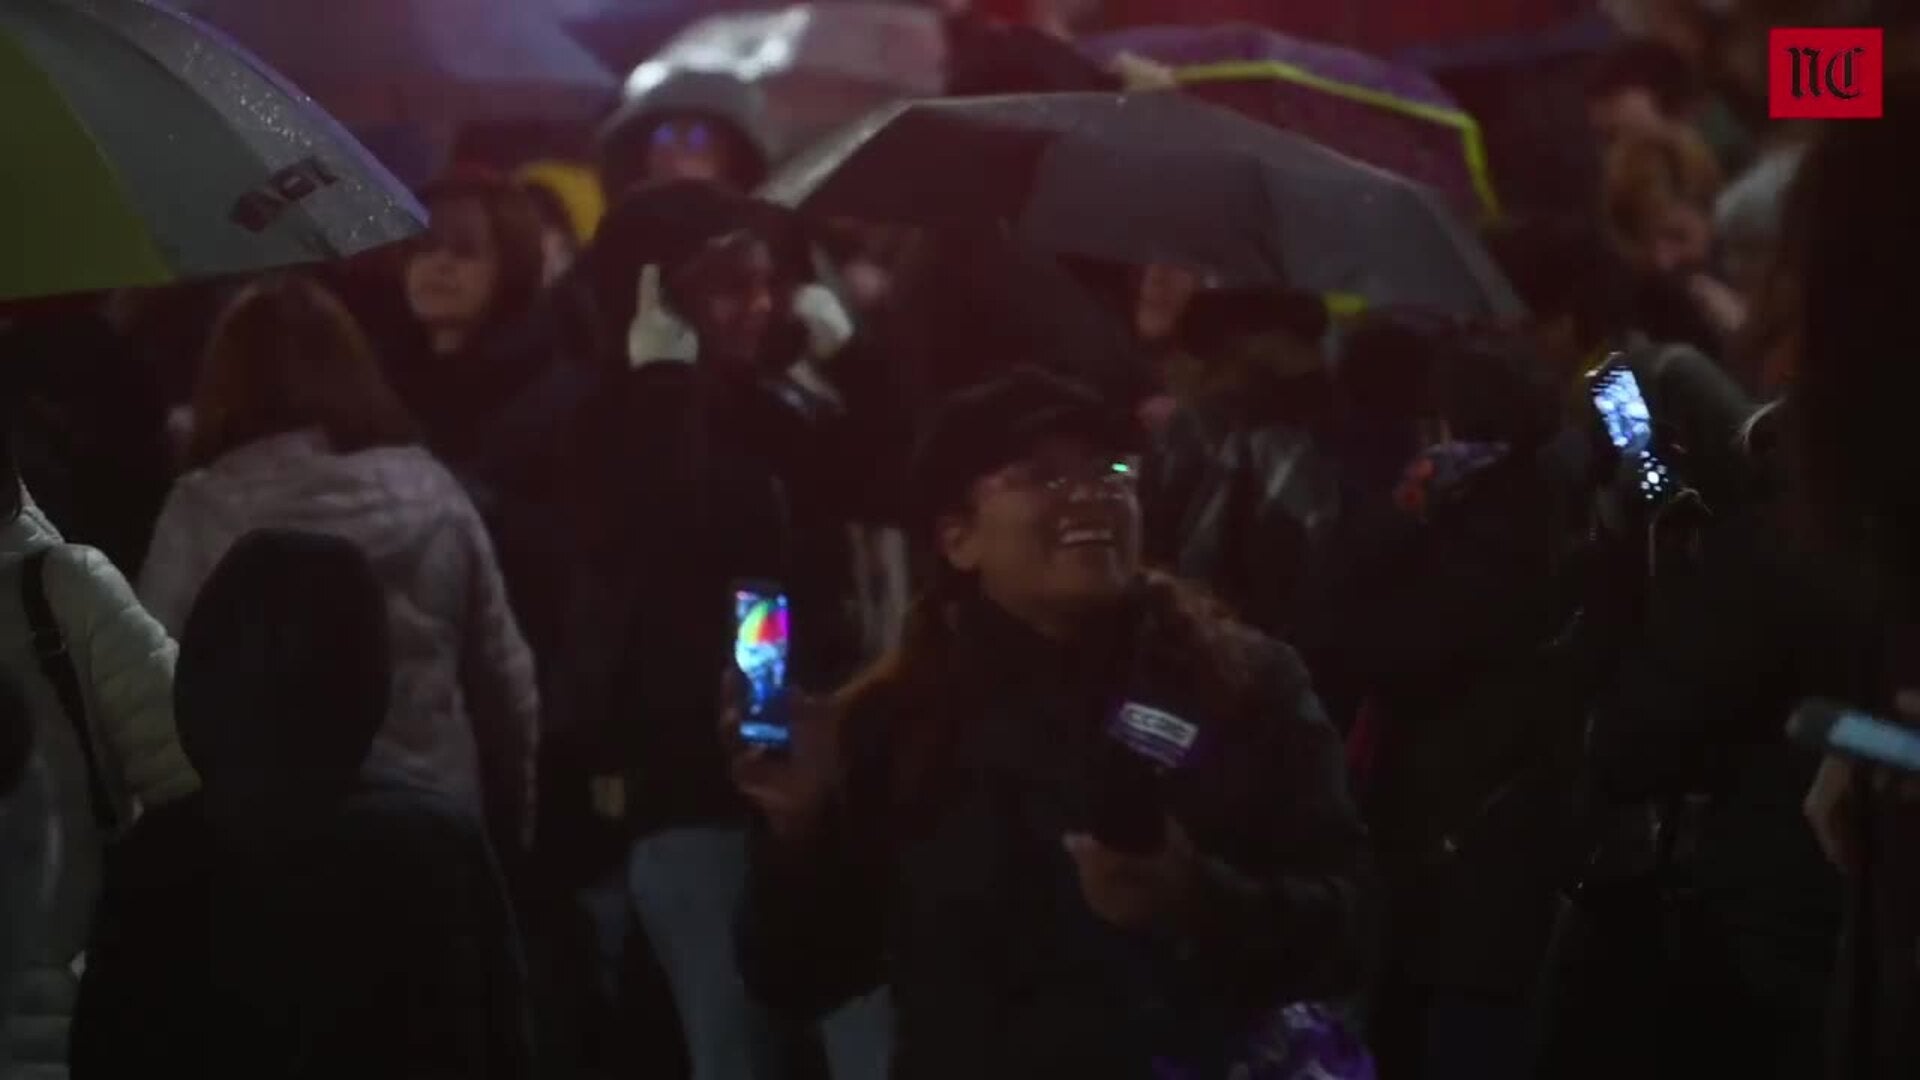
(1081, 823)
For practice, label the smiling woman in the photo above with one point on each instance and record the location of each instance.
(1066, 760)
(1053, 535)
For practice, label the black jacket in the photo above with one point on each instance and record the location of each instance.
(1437, 608)
(375, 941)
(1729, 640)
(965, 903)
(686, 486)
(1241, 497)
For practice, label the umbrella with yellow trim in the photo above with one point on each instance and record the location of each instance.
(1155, 177)
(1393, 117)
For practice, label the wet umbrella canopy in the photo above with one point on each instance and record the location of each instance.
(423, 61)
(1156, 177)
(1392, 116)
(143, 148)
(820, 65)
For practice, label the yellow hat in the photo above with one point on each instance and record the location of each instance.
(575, 187)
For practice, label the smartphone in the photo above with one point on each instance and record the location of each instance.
(762, 629)
(1860, 736)
(1623, 412)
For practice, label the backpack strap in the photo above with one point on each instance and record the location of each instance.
(50, 648)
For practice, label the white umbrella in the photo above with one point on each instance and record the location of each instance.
(819, 64)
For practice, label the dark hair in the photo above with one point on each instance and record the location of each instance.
(284, 661)
(669, 224)
(1493, 387)
(1217, 317)
(286, 355)
(514, 217)
(1646, 64)
(1565, 267)
(1386, 372)
(1850, 230)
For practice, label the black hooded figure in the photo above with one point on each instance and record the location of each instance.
(303, 916)
(702, 459)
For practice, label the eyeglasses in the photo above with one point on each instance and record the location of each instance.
(1112, 477)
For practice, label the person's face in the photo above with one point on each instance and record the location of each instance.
(1165, 292)
(452, 277)
(1055, 534)
(732, 292)
(1677, 239)
(687, 150)
(1626, 113)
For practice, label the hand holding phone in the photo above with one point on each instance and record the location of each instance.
(789, 786)
(1628, 422)
(786, 759)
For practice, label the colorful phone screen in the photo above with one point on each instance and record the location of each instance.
(760, 645)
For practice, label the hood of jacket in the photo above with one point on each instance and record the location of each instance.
(284, 675)
(384, 498)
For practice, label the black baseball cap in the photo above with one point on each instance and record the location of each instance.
(990, 426)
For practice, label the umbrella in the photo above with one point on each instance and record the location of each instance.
(991, 58)
(1394, 117)
(820, 64)
(450, 62)
(625, 32)
(1536, 140)
(1378, 26)
(1157, 177)
(142, 148)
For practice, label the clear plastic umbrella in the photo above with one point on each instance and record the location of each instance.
(819, 65)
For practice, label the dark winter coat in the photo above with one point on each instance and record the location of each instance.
(375, 942)
(1241, 497)
(687, 486)
(940, 871)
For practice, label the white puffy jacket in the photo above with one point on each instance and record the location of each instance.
(124, 662)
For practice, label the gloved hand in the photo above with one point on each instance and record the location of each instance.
(656, 333)
(825, 319)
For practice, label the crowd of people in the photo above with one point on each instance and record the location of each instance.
(1186, 681)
